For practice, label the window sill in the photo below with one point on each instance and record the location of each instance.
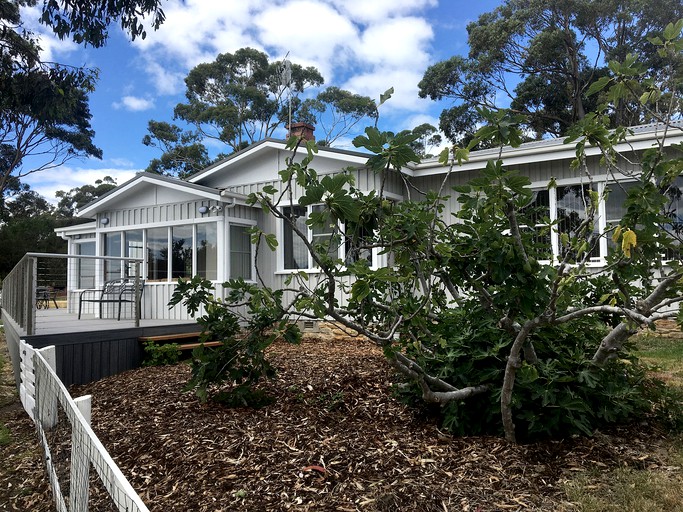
(308, 271)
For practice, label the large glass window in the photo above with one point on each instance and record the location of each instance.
(207, 251)
(325, 238)
(132, 248)
(295, 251)
(157, 254)
(86, 267)
(673, 210)
(357, 244)
(572, 205)
(537, 214)
(181, 259)
(112, 247)
(240, 252)
(614, 208)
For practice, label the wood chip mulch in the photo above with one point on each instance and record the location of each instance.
(335, 439)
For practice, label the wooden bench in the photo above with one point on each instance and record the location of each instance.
(172, 338)
(116, 291)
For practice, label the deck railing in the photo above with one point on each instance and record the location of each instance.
(38, 278)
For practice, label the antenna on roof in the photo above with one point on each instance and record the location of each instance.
(286, 81)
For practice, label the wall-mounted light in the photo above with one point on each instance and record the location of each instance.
(104, 221)
(203, 209)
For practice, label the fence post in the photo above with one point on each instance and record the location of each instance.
(80, 463)
(46, 398)
(27, 379)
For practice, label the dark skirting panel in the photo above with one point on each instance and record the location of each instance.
(91, 356)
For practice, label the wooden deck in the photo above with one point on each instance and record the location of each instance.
(91, 348)
(59, 321)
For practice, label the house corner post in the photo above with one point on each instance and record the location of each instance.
(138, 295)
(30, 294)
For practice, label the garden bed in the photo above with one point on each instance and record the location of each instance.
(335, 439)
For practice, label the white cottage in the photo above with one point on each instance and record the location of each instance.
(178, 228)
(200, 226)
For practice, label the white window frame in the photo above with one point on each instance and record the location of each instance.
(311, 269)
(219, 221)
(245, 223)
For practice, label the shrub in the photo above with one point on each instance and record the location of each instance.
(563, 394)
(160, 355)
(229, 373)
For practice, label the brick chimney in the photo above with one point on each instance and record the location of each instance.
(303, 130)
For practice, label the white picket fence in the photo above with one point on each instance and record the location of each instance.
(71, 447)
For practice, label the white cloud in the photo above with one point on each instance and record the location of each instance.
(65, 178)
(398, 43)
(51, 46)
(411, 122)
(313, 30)
(134, 104)
(404, 82)
(377, 10)
(194, 30)
(165, 80)
(342, 38)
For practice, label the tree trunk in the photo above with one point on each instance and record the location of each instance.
(514, 362)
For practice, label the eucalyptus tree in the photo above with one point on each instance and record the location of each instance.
(243, 97)
(182, 151)
(44, 109)
(541, 57)
(72, 200)
(336, 112)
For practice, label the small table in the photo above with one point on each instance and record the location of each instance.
(45, 294)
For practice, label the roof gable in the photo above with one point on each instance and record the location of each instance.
(249, 161)
(126, 193)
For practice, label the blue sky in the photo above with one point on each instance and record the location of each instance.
(365, 46)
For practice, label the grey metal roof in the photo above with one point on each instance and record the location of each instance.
(559, 141)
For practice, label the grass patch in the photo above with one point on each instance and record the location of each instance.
(626, 489)
(665, 354)
(645, 490)
(5, 437)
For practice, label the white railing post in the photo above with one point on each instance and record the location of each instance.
(84, 404)
(30, 294)
(87, 450)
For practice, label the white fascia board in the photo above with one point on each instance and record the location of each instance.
(522, 155)
(78, 229)
(98, 206)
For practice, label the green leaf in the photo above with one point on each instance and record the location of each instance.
(386, 95)
(444, 156)
(314, 195)
(672, 31)
(360, 290)
(598, 85)
(271, 241)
